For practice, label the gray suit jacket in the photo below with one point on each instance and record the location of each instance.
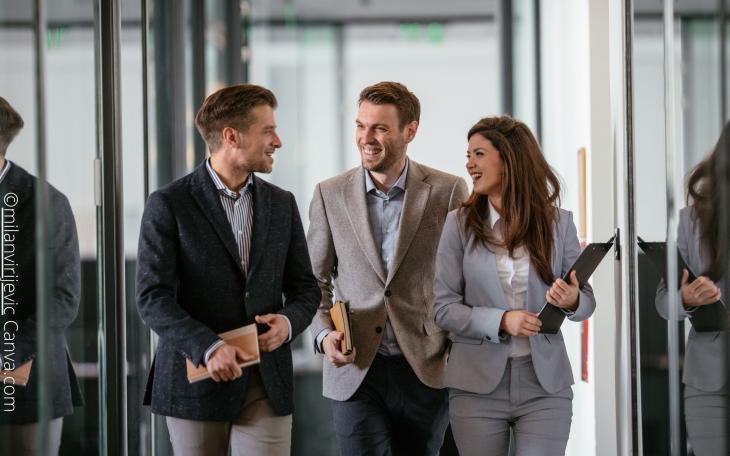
(347, 265)
(469, 303)
(706, 350)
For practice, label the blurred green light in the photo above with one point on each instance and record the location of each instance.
(435, 32)
(410, 31)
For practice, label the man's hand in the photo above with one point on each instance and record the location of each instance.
(277, 334)
(701, 292)
(331, 348)
(223, 362)
(520, 323)
(564, 295)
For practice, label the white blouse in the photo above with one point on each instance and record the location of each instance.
(513, 273)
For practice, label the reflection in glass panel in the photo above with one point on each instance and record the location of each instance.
(696, 175)
(70, 275)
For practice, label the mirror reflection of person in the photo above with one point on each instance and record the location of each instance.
(703, 248)
(496, 265)
(19, 425)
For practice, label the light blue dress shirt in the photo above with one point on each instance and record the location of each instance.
(384, 212)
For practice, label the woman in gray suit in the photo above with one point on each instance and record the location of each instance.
(496, 265)
(699, 243)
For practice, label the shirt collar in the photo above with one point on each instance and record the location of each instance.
(400, 183)
(494, 216)
(221, 187)
(6, 168)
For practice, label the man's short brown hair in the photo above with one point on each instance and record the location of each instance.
(10, 125)
(395, 93)
(230, 107)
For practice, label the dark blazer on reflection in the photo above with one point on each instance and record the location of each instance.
(191, 286)
(64, 287)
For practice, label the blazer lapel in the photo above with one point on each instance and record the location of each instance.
(357, 213)
(206, 196)
(493, 289)
(535, 291)
(414, 204)
(261, 219)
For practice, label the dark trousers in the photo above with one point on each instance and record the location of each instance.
(392, 413)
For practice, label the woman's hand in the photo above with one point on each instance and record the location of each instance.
(701, 292)
(564, 295)
(520, 323)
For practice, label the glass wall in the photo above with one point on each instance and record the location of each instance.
(680, 156)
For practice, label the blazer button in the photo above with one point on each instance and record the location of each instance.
(387, 293)
(378, 329)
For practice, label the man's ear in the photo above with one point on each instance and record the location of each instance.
(230, 136)
(411, 129)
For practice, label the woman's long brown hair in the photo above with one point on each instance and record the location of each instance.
(530, 194)
(704, 195)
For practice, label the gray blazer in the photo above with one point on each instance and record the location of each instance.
(347, 266)
(704, 351)
(469, 303)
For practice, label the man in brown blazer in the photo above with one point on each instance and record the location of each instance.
(372, 238)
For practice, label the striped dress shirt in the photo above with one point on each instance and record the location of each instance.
(239, 211)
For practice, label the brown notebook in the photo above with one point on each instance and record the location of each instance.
(21, 374)
(341, 319)
(244, 338)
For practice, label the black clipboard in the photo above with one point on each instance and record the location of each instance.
(709, 318)
(552, 317)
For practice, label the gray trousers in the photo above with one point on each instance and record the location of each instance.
(23, 438)
(540, 421)
(705, 415)
(256, 431)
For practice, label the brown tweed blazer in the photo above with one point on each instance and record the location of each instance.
(347, 265)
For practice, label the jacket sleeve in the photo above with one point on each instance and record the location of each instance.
(64, 278)
(157, 280)
(451, 312)
(301, 292)
(571, 252)
(661, 300)
(324, 260)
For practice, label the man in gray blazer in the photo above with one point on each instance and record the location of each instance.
(372, 237)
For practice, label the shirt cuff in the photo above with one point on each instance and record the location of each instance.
(318, 340)
(689, 310)
(211, 349)
(568, 313)
(288, 339)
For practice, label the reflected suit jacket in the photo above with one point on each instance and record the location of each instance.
(348, 266)
(705, 351)
(191, 286)
(469, 303)
(64, 294)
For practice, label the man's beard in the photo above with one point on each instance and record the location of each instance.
(390, 158)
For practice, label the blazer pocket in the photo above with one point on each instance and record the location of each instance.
(465, 340)
(553, 338)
